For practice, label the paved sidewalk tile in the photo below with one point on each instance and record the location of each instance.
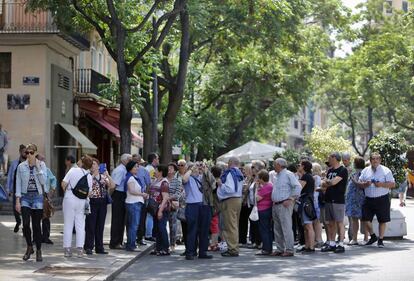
(54, 265)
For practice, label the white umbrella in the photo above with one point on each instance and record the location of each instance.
(252, 150)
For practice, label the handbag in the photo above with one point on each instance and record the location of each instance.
(254, 214)
(181, 214)
(48, 208)
(152, 207)
(308, 208)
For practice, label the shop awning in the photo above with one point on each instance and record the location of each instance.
(85, 144)
(114, 129)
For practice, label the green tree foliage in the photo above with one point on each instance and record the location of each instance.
(322, 142)
(391, 147)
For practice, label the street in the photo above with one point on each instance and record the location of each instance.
(358, 263)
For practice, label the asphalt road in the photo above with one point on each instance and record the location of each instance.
(394, 262)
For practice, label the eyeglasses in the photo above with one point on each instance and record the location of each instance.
(31, 152)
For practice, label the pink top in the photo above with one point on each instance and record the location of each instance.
(266, 192)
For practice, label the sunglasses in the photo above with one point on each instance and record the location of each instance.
(181, 165)
(30, 152)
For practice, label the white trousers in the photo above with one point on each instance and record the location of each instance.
(73, 214)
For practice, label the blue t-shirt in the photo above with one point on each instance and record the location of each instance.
(192, 191)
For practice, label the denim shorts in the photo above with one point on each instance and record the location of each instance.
(32, 201)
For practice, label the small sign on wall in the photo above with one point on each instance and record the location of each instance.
(18, 102)
(31, 81)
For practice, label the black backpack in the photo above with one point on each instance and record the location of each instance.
(81, 189)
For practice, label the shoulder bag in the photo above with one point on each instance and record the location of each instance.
(254, 214)
(48, 208)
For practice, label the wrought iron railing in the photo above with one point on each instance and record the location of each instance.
(87, 81)
(15, 18)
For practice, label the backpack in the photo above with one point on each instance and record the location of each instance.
(81, 189)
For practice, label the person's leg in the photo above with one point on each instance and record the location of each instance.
(231, 223)
(341, 228)
(149, 226)
(45, 229)
(243, 223)
(68, 221)
(285, 217)
(192, 215)
(27, 233)
(16, 214)
(204, 224)
(90, 225)
(37, 215)
(318, 230)
(100, 226)
(80, 223)
(277, 230)
(265, 218)
(117, 219)
(172, 221)
(355, 228)
(130, 214)
(382, 227)
(142, 220)
(310, 236)
(162, 228)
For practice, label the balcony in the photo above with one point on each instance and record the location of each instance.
(15, 19)
(87, 81)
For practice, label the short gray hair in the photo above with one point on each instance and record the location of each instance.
(234, 160)
(336, 155)
(258, 165)
(125, 157)
(346, 156)
(282, 162)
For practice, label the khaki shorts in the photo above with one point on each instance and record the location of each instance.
(334, 212)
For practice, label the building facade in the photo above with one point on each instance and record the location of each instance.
(36, 85)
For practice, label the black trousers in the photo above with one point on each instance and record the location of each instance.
(118, 220)
(297, 227)
(35, 216)
(16, 214)
(244, 223)
(45, 229)
(95, 224)
(141, 227)
(184, 231)
(255, 233)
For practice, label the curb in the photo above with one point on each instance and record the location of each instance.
(114, 274)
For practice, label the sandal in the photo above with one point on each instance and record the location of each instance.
(276, 254)
(263, 253)
(402, 204)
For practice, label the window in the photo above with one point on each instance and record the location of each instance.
(81, 60)
(388, 7)
(296, 124)
(405, 6)
(5, 70)
(108, 66)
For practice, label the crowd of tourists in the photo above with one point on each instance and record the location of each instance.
(216, 208)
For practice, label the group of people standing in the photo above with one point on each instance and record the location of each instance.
(209, 204)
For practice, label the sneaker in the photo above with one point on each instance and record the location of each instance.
(353, 243)
(380, 243)
(79, 252)
(308, 251)
(328, 248)
(372, 240)
(363, 243)
(319, 244)
(68, 253)
(339, 249)
(88, 252)
(229, 254)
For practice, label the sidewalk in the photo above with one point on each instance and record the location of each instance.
(54, 266)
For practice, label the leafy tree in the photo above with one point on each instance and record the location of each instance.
(391, 147)
(128, 33)
(322, 142)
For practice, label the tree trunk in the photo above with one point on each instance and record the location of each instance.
(175, 95)
(125, 105)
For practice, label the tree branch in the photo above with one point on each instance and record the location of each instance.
(170, 16)
(97, 27)
(146, 18)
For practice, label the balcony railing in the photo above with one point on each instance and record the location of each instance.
(14, 18)
(87, 81)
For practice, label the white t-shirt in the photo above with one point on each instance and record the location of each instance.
(137, 188)
(72, 178)
(272, 176)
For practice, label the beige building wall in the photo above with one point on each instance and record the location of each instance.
(32, 125)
